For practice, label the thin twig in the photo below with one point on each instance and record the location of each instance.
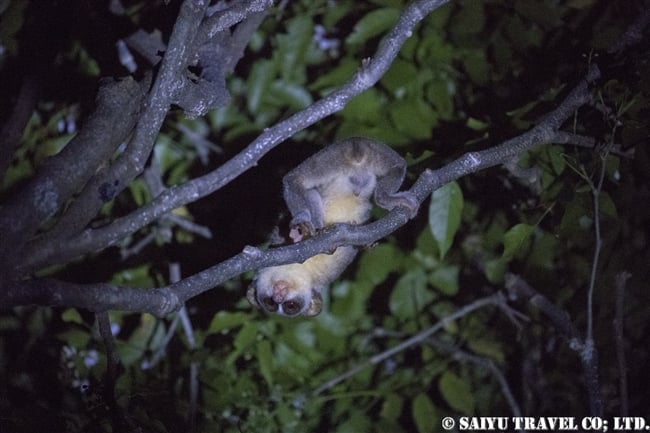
(563, 137)
(595, 191)
(419, 338)
(193, 380)
(121, 421)
(486, 363)
(519, 288)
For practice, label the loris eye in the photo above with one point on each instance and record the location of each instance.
(269, 304)
(291, 307)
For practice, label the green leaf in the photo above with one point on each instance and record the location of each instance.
(13, 18)
(244, 339)
(166, 153)
(440, 93)
(526, 35)
(470, 18)
(301, 336)
(445, 214)
(145, 336)
(139, 191)
(77, 338)
(357, 421)
(225, 320)
(348, 300)
(289, 95)
(515, 238)
(411, 294)
(522, 111)
(424, 412)
(607, 206)
(265, 360)
(427, 247)
(291, 363)
(51, 146)
(399, 75)
(336, 76)
(486, 347)
(445, 279)
(134, 277)
(434, 49)
(413, 117)
(373, 24)
(495, 269)
(377, 263)
(241, 130)
(545, 15)
(365, 108)
(16, 172)
(9, 323)
(332, 15)
(71, 315)
(85, 62)
(556, 158)
(259, 83)
(391, 408)
(476, 124)
(476, 66)
(293, 47)
(441, 310)
(544, 251)
(457, 393)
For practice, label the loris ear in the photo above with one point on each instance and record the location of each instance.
(315, 306)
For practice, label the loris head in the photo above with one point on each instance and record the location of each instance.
(285, 290)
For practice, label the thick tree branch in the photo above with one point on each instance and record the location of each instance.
(148, 45)
(165, 90)
(96, 192)
(370, 72)
(332, 237)
(93, 297)
(225, 18)
(109, 181)
(215, 51)
(240, 38)
(65, 173)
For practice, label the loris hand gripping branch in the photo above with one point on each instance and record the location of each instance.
(332, 186)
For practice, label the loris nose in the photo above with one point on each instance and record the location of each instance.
(280, 291)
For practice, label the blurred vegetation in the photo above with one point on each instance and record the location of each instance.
(473, 74)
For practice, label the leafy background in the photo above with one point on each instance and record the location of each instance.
(473, 74)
